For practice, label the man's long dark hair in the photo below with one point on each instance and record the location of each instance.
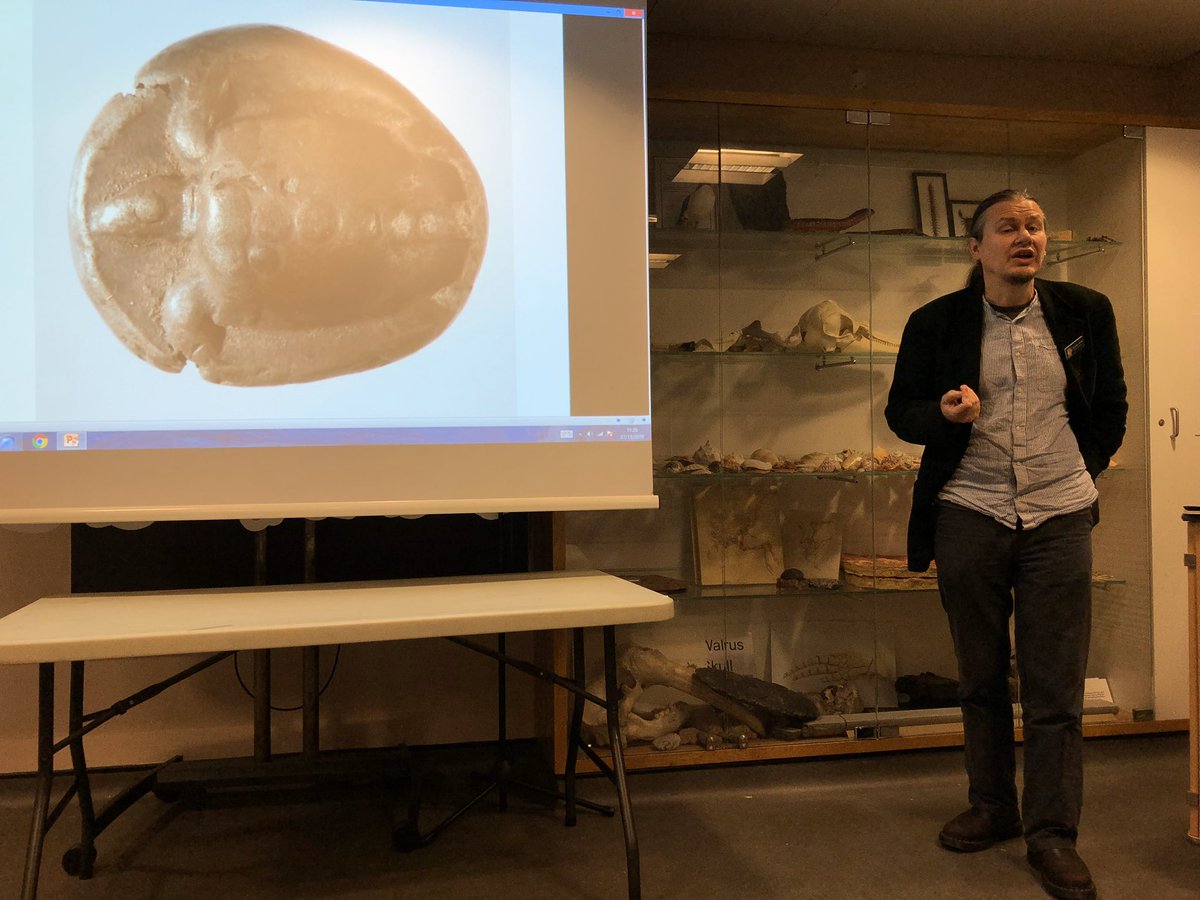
(975, 229)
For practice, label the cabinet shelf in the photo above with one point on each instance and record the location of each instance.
(700, 593)
(830, 360)
(848, 724)
(708, 478)
(825, 244)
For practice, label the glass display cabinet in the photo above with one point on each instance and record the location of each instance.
(787, 249)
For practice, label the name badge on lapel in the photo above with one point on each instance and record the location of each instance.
(1074, 347)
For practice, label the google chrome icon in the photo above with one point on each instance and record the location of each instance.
(40, 442)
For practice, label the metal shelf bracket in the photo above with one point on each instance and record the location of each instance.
(825, 363)
(1063, 256)
(833, 245)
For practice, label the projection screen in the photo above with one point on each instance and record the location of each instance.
(338, 257)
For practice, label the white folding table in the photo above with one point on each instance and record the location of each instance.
(81, 627)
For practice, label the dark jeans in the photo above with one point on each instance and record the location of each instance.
(986, 572)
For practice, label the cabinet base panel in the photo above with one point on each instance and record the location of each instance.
(645, 757)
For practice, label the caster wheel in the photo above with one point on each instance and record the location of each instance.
(166, 794)
(77, 862)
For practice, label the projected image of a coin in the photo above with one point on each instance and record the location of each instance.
(273, 209)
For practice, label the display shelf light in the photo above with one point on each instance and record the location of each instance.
(734, 166)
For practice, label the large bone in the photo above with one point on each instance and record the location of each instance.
(663, 721)
(649, 666)
(634, 726)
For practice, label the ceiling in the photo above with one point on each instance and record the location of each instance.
(1151, 33)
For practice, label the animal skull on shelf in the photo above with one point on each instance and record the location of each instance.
(827, 327)
(640, 668)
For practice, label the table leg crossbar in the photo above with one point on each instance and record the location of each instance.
(79, 859)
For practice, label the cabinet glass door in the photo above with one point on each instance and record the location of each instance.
(1088, 179)
(788, 248)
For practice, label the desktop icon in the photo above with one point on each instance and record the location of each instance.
(8, 442)
(40, 442)
(69, 440)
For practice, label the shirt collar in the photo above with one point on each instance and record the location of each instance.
(988, 308)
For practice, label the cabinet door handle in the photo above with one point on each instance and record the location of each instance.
(1174, 424)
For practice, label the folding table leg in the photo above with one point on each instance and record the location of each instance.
(612, 699)
(45, 779)
(311, 702)
(575, 733)
(79, 860)
(503, 765)
(262, 705)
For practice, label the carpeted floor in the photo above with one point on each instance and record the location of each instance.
(853, 827)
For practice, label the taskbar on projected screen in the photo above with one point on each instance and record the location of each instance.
(635, 428)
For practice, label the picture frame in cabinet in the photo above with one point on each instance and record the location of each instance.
(812, 545)
(961, 212)
(737, 535)
(933, 203)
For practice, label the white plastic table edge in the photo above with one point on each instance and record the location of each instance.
(164, 623)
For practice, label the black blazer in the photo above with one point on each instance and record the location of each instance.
(940, 351)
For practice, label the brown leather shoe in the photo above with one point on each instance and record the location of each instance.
(975, 830)
(1064, 874)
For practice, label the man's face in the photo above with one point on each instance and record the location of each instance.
(1013, 246)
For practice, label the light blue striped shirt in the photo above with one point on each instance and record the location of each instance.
(1022, 464)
